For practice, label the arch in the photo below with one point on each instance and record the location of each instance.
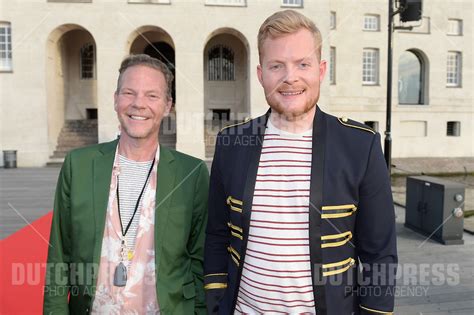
(230, 31)
(69, 95)
(413, 78)
(226, 82)
(156, 42)
(144, 35)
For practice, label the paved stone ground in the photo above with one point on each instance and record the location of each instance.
(434, 279)
(426, 293)
(434, 166)
(26, 194)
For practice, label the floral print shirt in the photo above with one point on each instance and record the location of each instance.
(138, 296)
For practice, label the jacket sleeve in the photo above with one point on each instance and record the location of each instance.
(57, 271)
(217, 237)
(196, 245)
(376, 236)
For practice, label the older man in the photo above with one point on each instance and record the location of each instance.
(129, 215)
(298, 210)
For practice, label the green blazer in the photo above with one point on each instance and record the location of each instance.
(78, 225)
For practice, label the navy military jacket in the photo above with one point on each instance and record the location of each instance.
(351, 217)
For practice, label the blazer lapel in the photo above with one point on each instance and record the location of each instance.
(253, 155)
(102, 174)
(257, 129)
(316, 199)
(165, 183)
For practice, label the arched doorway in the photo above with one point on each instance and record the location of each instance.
(157, 43)
(164, 52)
(71, 89)
(226, 83)
(412, 74)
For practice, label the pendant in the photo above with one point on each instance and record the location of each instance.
(120, 275)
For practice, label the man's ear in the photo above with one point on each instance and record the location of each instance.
(168, 106)
(260, 74)
(322, 70)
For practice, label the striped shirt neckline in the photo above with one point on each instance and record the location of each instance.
(276, 276)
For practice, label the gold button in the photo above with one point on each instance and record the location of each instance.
(344, 119)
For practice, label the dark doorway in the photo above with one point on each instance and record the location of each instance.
(91, 113)
(164, 52)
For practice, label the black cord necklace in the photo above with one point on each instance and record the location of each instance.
(120, 274)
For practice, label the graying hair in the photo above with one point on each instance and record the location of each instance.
(145, 60)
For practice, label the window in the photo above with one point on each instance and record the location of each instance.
(454, 27)
(226, 2)
(454, 69)
(72, 1)
(374, 125)
(5, 47)
(370, 66)
(332, 22)
(332, 66)
(292, 3)
(410, 79)
(371, 22)
(221, 64)
(453, 128)
(87, 61)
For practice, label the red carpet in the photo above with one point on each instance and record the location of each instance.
(23, 264)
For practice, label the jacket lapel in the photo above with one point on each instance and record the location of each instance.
(254, 151)
(257, 129)
(165, 183)
(316, 199)
(102, 174)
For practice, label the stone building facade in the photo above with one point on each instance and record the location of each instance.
(59, 63)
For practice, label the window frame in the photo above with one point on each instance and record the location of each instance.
(226, 3)
(220, 65)
(372, 124)
(377, 23)
(423, 82)
(292, 5)
(92, 60)
(70, 1)
(6, 62)
(332, 65)
(455, 69)
(376, 69)
(455, 129)
(459, 24)
(332, 20)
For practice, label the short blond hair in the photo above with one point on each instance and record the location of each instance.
(287, 22)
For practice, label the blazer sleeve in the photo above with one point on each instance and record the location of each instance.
(57, 271)
(217, 237)
(196, 243)
(376, 236)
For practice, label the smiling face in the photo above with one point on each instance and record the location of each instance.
(141, 102)
(291, 73)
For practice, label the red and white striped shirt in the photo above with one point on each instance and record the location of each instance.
(276, 276)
